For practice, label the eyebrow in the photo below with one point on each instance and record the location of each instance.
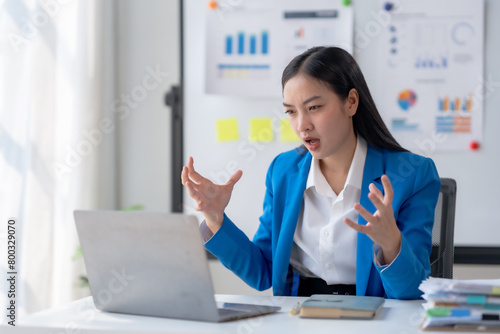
(305, 102)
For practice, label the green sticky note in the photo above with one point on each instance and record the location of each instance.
(476, 299)
(495, 290)
(286, 132)
(227, 129)
(261, 130)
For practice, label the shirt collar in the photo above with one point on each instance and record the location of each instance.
(354, 177)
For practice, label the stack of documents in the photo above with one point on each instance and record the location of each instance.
(464, 305)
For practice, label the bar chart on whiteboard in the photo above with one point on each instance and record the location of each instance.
(249, 43)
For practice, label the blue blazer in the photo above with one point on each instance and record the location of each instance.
(265, 261)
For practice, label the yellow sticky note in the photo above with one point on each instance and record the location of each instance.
(286, 133)
(261, 130)
(227, 129)
(495, 290)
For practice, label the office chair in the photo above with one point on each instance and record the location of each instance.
(442, 254)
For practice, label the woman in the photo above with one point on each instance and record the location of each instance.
(350, 212)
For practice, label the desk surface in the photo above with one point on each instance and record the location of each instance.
(399, 317)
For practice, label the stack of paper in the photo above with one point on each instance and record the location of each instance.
(464, 305)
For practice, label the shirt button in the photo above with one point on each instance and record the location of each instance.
(328, 266)
(326, 234)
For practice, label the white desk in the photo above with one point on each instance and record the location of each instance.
(396, 317)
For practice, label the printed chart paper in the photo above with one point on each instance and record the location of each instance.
(431, 68)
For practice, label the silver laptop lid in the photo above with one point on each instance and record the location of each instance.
(146, 263)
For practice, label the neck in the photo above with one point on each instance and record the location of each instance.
(340, 162)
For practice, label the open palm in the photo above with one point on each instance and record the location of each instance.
(211, 199)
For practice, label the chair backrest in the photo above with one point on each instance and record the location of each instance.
(443, 231)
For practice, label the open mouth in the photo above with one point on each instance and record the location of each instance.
(311, 143)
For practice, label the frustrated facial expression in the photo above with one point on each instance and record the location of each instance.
(318, 116)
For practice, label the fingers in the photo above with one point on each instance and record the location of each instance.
(192, 174)
(364, 213)
(187, 181)
(234, 178)
(377, 201)
(374, 190)
(381, 201)
(355, 226)
(389, 192)
(193, 193)
(184, 176)
(380, 226)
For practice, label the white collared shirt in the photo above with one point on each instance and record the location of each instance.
(324, 246)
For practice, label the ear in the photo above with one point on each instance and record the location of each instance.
(352, 102)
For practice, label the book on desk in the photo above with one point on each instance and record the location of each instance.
(340, 306)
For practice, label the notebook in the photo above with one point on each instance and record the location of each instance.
(341, 306)
(152, 264)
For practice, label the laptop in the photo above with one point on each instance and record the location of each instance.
(152, 264)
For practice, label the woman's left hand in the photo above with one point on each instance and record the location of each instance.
(381, 226)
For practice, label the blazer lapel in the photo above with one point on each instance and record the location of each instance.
(294, 195)
(372, 172)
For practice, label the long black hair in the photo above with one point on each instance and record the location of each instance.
(337, 68)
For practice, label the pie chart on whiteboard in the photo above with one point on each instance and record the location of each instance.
(406, 99)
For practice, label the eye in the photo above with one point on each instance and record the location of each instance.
(289, 112)
(314, 108)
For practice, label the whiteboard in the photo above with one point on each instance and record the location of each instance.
(478, 183)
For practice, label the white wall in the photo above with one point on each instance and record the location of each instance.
(147, 38)
(476, 271)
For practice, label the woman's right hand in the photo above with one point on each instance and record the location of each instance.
(211, 199)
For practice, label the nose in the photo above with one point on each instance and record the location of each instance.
(304, 122)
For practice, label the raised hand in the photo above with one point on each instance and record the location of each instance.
(211, 199)
(381, 226)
